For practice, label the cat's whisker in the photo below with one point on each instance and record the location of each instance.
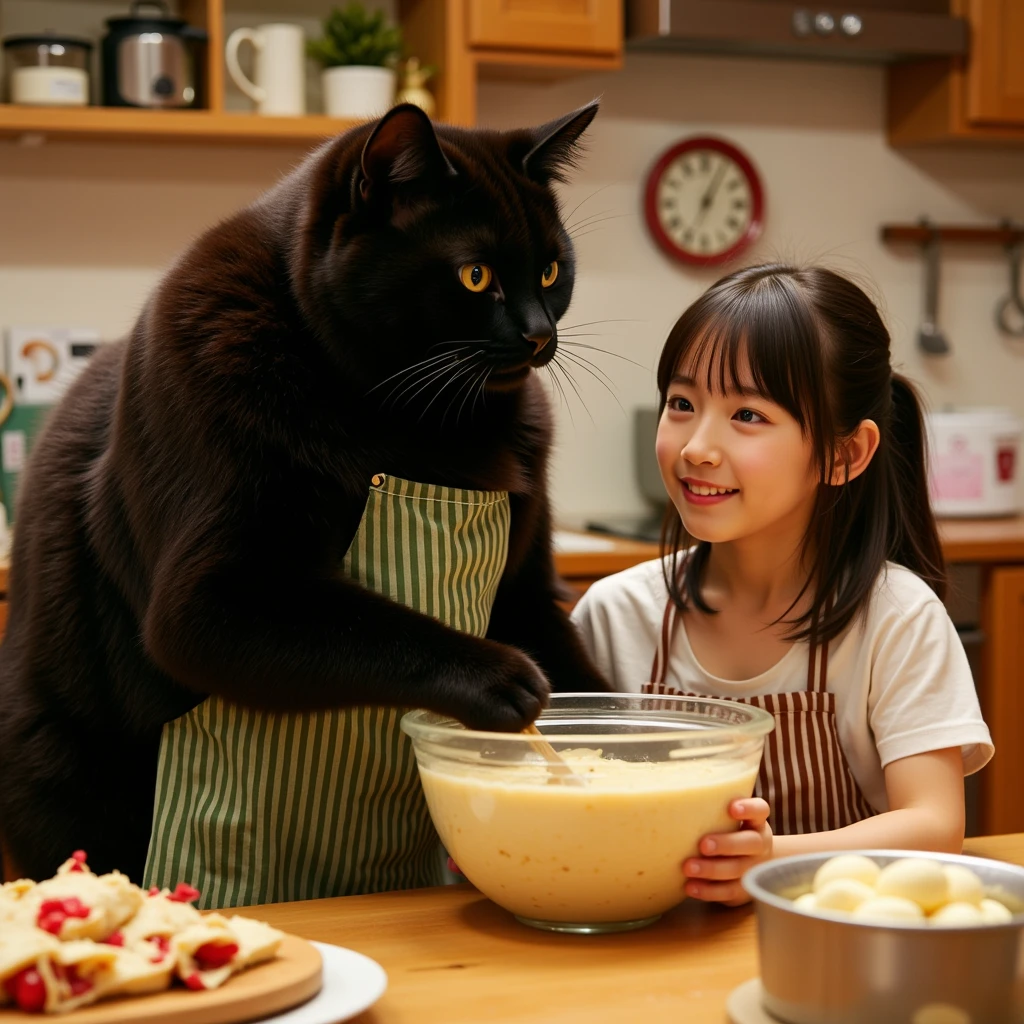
(591, 222)
(597, 348)
(572, 383)
(583, 221)
(594, 323)
(584, 361)
(607, 386)
(431, 375)
(454, 377)
(583, 202)
(409, 369)
(481, 391)
(476, 386)
(563, 400)
(467, 375)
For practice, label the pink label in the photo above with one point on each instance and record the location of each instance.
(957, 473)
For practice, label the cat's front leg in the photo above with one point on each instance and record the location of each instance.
(270, 638)
(527, 615)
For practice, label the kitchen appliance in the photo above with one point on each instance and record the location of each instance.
(975, 462)
(47, 70)
(153, 60)
(816, 967)
(864, 30)
(42, 363)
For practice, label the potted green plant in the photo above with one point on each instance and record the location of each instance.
(358, 51)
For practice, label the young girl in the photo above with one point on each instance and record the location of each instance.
(803, 575)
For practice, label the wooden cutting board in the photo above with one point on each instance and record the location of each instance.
(269, 988)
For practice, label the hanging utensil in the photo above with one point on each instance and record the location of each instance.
(929, 337)
(1010, 314)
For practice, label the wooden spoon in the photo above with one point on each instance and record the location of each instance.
(560, 771)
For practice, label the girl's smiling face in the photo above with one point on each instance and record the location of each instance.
(734, 463)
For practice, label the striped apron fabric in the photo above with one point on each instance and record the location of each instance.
(257, 807)
(804, 774)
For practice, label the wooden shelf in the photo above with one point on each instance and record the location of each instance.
(129, 124)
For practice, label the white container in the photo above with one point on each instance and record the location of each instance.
(975, 462)
(358, 92)
(279, 68)
(50, 87)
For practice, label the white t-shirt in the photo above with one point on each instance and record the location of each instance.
(899, 672)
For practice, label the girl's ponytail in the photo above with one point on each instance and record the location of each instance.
(913, 535)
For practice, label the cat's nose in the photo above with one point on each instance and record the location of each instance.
(538, 340)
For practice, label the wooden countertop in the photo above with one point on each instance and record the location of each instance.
(963, 540)
(453, 957)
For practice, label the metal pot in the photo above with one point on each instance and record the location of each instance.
(153, 60)
(818, 967)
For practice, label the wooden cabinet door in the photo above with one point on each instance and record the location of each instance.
(1003, 700)
(995, 77)
(569, 26)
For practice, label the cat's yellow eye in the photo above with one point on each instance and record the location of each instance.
(476, 276)
(550, 275)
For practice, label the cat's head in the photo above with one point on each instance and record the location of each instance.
(438, 264)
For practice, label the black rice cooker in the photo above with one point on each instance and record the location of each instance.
(153, 60)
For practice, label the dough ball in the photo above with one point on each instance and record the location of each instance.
(889, 910)
(917, 879)
(808, 902)
(994, 912)
(955, 915)
(847, 865)
(843, 894)
(941, 1013)
(963, 884)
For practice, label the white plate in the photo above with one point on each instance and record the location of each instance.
(352, 983)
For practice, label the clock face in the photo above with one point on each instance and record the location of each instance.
(704, 201)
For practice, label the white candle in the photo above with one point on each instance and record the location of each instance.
(50, 86)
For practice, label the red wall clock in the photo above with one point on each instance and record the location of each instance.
(704, 201)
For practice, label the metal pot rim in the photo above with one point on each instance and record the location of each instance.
(752, 884)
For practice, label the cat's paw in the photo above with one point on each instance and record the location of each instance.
(506, 696)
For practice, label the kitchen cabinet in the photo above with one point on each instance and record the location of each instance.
(464, 39)
(568, 26)
(980, 98)
(1003, 698)
(524, 39)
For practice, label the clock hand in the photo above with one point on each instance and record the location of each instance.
(712, 190)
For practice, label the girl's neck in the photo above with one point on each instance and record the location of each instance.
(763, 573)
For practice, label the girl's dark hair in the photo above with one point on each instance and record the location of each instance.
(816, 346)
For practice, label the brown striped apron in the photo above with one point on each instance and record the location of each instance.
(804, 775)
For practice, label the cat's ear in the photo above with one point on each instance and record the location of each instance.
(555, 148)
(402, 152)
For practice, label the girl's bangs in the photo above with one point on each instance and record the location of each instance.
(761, 339)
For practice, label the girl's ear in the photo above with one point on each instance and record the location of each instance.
(856, 452)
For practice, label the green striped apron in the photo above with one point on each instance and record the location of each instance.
(255, 807)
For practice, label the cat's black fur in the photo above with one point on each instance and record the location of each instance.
(189, 502)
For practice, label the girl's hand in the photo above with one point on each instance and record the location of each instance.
(727, 856)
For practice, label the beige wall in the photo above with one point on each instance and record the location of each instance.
(86, 229)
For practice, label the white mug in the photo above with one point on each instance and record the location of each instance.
(280, 86)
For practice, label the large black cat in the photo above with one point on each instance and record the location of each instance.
(382, 309)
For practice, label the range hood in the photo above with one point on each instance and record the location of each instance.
(869, 31)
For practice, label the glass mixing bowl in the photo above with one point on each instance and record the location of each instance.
(604, 851)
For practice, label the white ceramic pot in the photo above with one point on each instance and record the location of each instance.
(358, 92)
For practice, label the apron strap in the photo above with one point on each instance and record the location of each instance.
(659, 667)
(819, 684)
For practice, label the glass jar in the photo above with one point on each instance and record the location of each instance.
(47, 70)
